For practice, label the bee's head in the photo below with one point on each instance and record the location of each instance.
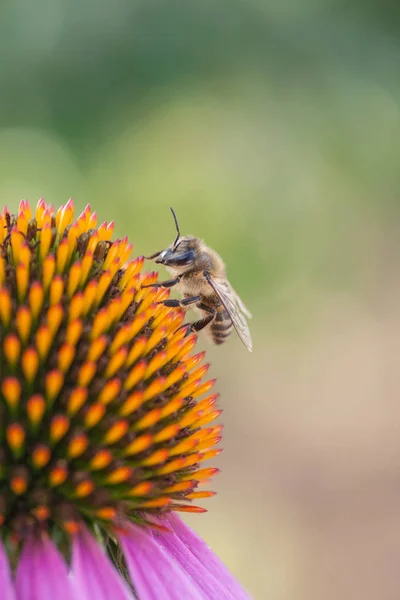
(180, 255)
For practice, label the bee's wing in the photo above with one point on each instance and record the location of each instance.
(229, 299)
(240, 303)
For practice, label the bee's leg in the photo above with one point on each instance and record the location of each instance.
(180, 303)
(164, 284)
(199, 325)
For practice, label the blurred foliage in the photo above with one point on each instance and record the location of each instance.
(272, 127)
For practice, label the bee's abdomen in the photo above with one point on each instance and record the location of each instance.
(221, 327)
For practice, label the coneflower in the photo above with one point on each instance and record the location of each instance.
(106, 419)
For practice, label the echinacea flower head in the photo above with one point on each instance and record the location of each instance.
(106, 419)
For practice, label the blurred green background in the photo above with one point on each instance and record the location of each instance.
(272, 127)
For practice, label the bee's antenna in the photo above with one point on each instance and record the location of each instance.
(177, 227)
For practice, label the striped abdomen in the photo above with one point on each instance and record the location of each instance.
(221, 327)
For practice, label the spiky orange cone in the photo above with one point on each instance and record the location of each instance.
(105, 413)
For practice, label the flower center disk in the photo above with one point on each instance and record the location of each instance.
(105, 413)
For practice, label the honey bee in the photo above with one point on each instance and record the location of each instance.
(199, 275)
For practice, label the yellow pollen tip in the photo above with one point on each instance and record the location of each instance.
(45, 241)
(11, 390)
(204, 388)
(5, 307)
(30, 364)
(86, 373)
(156, 503)
(78, 445)
(184, 447)
(172, 466)
(136, 351)
(56, 290)
(116, 432)
(167, 433)
(15, 437)
(131, 404)
(35, 408)
(57, 476)
(76, 306)
(175, 376)
(54, 317)
(148, 420)
(49, 268)
(138, 323)
(94, 414)
(110, 391)
(84, 489)
(64, 216)
(156, 363)
(17, 240)
(108, 513)
(203, 475)
(182, 486)
(190, 509)
(101, 460)
(141, 489)
(18, 485)
(102, 286)
(119, 475)
(208, 418)
(194, 360)
(53, 383)
(23, 322)
(58, 427)
(97, 347)
(73, 332)
(187, 347)
(12, 349)
(65, 357)
(116, 362)
(42, 513)
(138, 445)
(76, 400)
(22, 278)
(155, 338)
(2, 269)
(135, 375)
(40, 456)
(172, 407)
(157, 458)
(74, 278)
(43, 340)
(155, 387)
(86, 265)
(71, 527)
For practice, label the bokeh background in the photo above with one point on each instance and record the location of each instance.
(273, 128)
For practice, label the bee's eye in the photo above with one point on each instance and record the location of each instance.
(186, 258)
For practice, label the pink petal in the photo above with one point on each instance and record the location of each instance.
(42, 573)
(6, 584)
(93, 575)
(155, 575)
(212, 588)
(202, 559)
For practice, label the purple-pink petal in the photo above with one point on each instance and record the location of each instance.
(93, 575)
(6, 584)
(155, 574)
(203, 558)
(42, 573)
(211, 587)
